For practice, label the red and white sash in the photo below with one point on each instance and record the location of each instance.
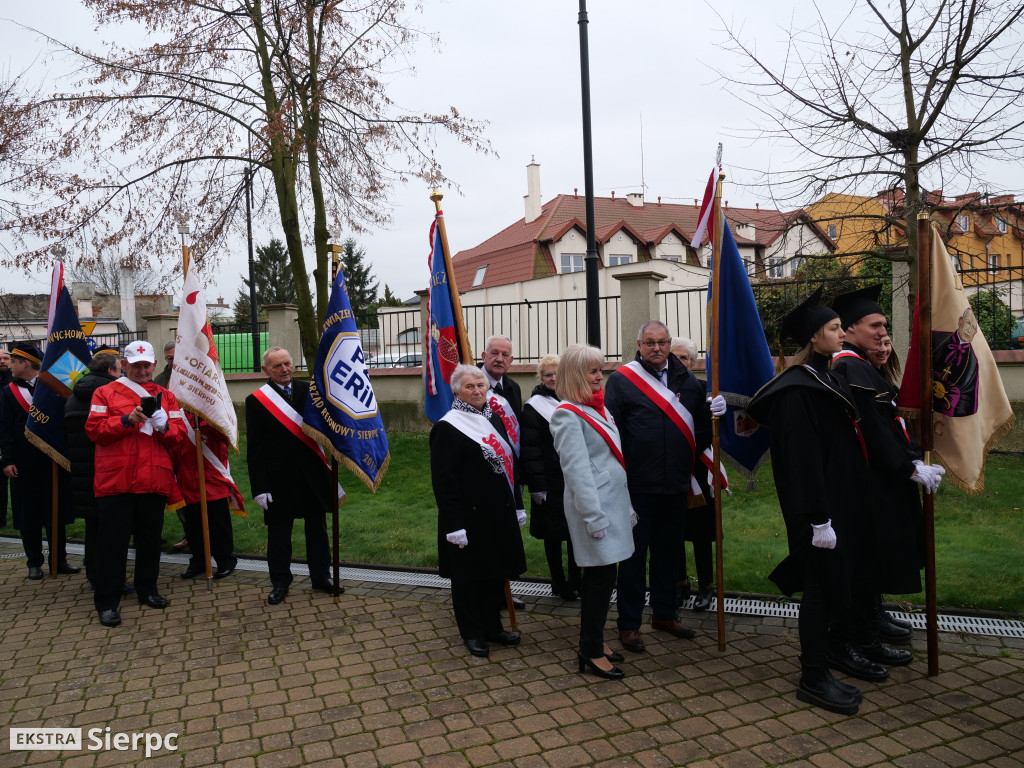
(237, 502)
(846, 353)
(478, 429)
(708, 460)
(288, 417)
(664, 398)
(544, 405)
(501, 408)
(612, 438)
(140, 392)
(23, 398)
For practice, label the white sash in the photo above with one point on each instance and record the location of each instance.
(501, 408)
(289, 418)
(478, 429)
(24, 398)
(140, 391)
(208, 453)
(662, 391)
(544, 405)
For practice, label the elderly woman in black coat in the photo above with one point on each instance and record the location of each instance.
(479, 510)
(542, 473)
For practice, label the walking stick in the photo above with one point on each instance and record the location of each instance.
(716, 446)
(335, 536)
(203, 512)
(511, 608)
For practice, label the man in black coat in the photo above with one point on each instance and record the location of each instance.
(288, 474)
(104, 368)
(30, 470)
(5, 379)
(659, 449)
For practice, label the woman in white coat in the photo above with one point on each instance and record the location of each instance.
(597, 507)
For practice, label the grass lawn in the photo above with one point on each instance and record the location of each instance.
(979, 540)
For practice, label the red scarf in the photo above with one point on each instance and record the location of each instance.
(597, 403)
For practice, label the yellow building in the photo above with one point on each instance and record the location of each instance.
(856, 224)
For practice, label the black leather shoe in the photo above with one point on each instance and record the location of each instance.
(277, 595)
(586, 665)
(67, 568)
(896, 622)
(223, 573)
(154, 601)
(326, 586)
(110, 618)
(615, 657)
(565, 592)
(703, 599)
(518, 604)
(35, 572)
(891, 633)
(477, 647)
(820, 688)
(192, 571)
(128, 588)
(848, 659)
(884, 655)
(505, 638)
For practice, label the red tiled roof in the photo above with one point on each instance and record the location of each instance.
(511, 253)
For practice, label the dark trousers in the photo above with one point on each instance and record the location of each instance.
(659, 528)
(92, 526)
(553, 554)
(703, 560)
(279, 551)
(595, 597)
(3, 499)
(32, 541)
(222, 540)
(477, 604)
(121, 517)
(825, 613)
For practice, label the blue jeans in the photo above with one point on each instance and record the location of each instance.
(661, 519)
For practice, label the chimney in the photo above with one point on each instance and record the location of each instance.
(636, 199)
(532, 196)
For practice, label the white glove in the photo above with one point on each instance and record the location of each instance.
(717, 405)
(600, 534)
(521, 517)
(263, 500)
(634, 518)
(458, 538)
(824, 536)
(923, 476)
(539, 497)
(938, 471)
(159, 420)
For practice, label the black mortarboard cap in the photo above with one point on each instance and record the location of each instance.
(854, 305)
(806, 318)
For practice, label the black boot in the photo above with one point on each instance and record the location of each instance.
(886, 628)
(818, 687)
(884, 655)
(848, 658)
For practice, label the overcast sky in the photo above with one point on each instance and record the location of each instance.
(658, 111)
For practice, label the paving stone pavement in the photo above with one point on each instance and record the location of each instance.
(382, 679)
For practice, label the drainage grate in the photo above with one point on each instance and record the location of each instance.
(738, 606)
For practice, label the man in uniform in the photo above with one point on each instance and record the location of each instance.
(136, 426)
(30, 470)
(506, 402)
(665, 424)
(288, 474)
(889, 558)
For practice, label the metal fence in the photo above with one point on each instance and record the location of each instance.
(119, 340)
(234, 345)
(685, 313)
(1000, 307)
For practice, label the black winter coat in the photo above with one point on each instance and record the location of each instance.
(895, 526)
(471, 495)
(82, 450)
(819, 469)
(658, 457)
(541, 471)
(281, 465)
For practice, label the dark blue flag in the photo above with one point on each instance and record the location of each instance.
(745, 363)
(443, 349)
(341, 413)
(65, 361)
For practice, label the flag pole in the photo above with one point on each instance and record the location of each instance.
(460, 320)
(335, 524)
(924, 349)
(716, 445)
(54, 533)
(204, 514)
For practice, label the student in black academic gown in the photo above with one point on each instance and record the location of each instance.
(821, 479)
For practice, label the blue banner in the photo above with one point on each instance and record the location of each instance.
(443, 350)
(341, 413)
(65, 361)
(745, 363)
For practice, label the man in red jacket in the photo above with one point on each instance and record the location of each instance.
(135, 424)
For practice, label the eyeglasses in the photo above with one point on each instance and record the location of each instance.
(551, 375)
(653, 344)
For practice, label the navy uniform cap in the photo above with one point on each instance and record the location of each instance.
(28, 351)
(804, 320)
(854, 305)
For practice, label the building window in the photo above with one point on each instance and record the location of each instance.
(618, 258)
(833, 232)
(478, 279)
(410, 336)
(671, 258)
(572, 262)
(775, 266)
(955, 260)
(1001, 224)
(964, 222)
(993, 263)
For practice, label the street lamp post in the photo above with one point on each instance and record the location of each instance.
(253, 310)
(593, 288)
